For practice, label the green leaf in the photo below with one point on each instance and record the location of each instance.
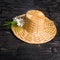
(9, 23)
(13, 23)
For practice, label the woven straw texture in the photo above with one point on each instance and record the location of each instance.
(38, 28)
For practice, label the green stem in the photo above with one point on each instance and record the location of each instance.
(9, 23)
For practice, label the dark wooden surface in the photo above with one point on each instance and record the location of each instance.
(13, 48)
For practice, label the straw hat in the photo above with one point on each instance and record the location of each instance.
(37, 29)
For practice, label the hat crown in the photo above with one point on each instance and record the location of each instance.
(34, 20)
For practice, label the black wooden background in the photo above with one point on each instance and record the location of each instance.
(13, 48)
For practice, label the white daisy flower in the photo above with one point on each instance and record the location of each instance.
(20, 21)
